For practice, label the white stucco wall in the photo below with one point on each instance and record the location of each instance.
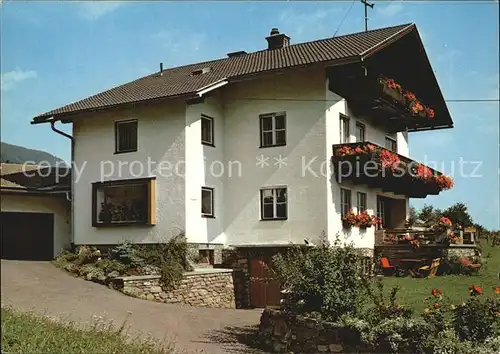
(161, 140)
(301, 96)
(335, 105)
(205, 167)
(58, 206)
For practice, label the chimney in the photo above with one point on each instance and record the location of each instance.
(161, 69)
(277, 40)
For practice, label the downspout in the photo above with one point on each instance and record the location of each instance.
(68, 194)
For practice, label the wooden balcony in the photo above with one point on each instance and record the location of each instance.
(372, 165)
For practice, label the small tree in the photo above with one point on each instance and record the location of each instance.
(324, 279)
(459, 214)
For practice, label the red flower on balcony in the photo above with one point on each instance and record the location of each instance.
(444, 182)
(389, 159)
(344, 151)
(417, 107)
(371, 148)
(410, 96)
(393, 85)
(429, 112)
(424, 172)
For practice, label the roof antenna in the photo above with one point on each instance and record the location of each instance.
(161, 69)
(367, 4)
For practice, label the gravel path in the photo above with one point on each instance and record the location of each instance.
(42, 288)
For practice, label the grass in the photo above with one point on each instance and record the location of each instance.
(28, 333)
(454, 288)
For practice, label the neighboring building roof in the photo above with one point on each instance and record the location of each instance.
(24, 178)
(181, 80)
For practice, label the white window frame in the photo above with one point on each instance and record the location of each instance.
(211, 131)
(117, 135)
(342, 204)
(211, 214)
(358, 199)
(393, 141)
(273, 129)
(363, 127)
(275, 203)
(345, 131)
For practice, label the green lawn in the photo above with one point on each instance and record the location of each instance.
(27, 333)
(454, 288)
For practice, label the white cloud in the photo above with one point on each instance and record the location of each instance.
(391, 10)
(93, 10)
(12, 78)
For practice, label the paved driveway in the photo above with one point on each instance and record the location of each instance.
(43, 288)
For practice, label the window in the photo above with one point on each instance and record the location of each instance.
(124, 202)
(361, 205)
(273, 203)
(360, 132)
(207, 202)
(391, 144)
(344, 129)
(273, 129)
(207, 130)
(381, 212)
(345, 201)
(206, 257)
(126, 136)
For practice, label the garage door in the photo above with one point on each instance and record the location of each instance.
(27, 236)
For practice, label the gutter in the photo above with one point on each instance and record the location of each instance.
(213, 86)
(68, 194)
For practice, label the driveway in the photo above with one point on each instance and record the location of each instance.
(42, 288)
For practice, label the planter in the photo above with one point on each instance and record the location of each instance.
(364, 227)
(346, 225)
(394, 94)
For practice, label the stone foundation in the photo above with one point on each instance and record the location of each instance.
(201, 288)
(460, 251)
(238, 260)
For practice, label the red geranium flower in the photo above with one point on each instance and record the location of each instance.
(424, 172)
(436, 305)
(389, 159)
(429, 112)
(409, 95)
(444, 182)
(497, 290)
(445, 221)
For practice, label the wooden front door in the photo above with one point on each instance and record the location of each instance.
(264, 287)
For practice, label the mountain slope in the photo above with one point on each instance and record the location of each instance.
(18, 154)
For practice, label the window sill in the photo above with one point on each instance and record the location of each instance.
(208, 216)
(275, 219)
(208, 144)
(271, 146)
(120, 224)
(124, 152)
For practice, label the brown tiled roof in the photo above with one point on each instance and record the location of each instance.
(180, 81)
(22, 177)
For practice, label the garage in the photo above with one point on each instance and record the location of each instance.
(27, 236)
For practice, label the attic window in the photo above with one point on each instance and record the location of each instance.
(236, 54)
(201, 71)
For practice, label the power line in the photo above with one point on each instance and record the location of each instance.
(345, 16)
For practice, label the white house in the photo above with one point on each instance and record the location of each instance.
(238, 151)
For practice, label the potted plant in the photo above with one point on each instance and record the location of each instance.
(349, 219)
(365, 220)
(393, 90)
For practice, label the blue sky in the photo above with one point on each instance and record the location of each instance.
(54, 53)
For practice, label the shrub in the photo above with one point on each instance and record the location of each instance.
(477, 319)
(111, 265)
(380, 307)
(453, 266)
(127, 254)
(86, 255)
(324, 279)
(400, 335)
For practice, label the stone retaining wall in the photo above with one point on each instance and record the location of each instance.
(284, 333)
(202, 288)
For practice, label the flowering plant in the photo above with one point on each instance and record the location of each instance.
(393, 85)
(444, 182)
(409, 96)
(416, 107)
(429, 112)
(389, 159)
(349, 218)
(358, 150)
(444, 221)
(424, 172)
(366, 220)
